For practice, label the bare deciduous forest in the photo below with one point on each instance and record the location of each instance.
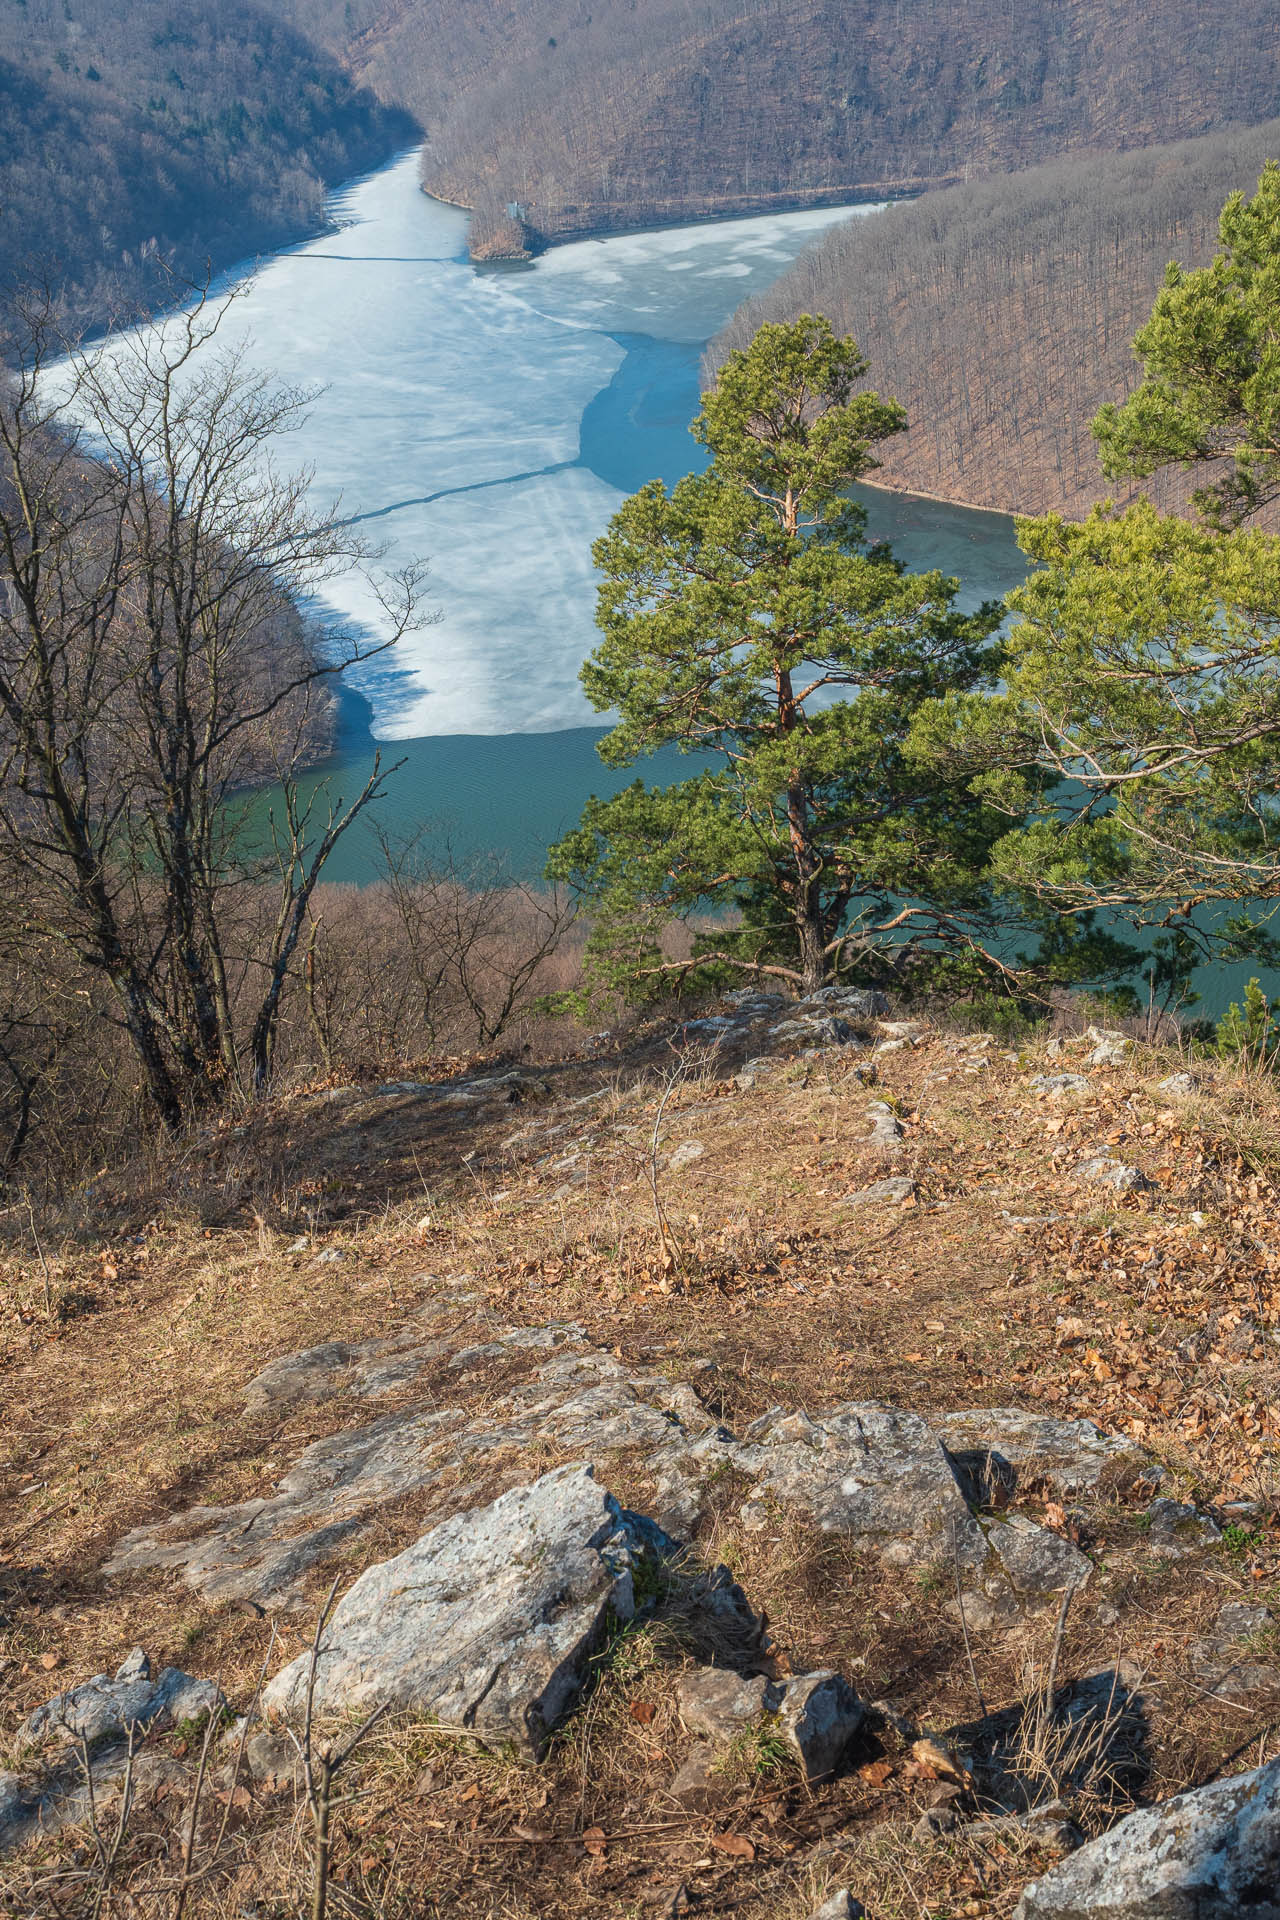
(1000, 313)
(608, 113)
(133, 134)
(128, 134)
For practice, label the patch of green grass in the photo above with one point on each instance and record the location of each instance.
(759, 1751)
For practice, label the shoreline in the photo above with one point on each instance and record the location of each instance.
(742, 207)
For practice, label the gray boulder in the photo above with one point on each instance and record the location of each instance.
(1211, 1854)
(717, 1703)
(1175, 1528)
(488, 1621)
(886, 1128)
(1180, 1086)
(1104, 1171)
(1056, 1083)
(819, 1714)
(1034, 1559)
(1000, 1450)
(105, 1708)
(1110, 1047)
(881, 1193)
(839, 1905)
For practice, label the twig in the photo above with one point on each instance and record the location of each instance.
(189, 1845)
(319, 1791)
(964, 1625)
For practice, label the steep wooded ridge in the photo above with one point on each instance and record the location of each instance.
(210, 132)
(608, 113)
(197, 133)
(1000, 313)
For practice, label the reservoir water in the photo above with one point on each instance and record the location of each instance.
(489, 421)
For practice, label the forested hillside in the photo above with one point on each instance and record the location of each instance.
(598, 113)
(212, 130)
(131, 133)
(1000, 313)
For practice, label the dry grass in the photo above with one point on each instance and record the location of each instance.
(127, 1336)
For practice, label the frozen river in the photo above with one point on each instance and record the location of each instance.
(488, 421)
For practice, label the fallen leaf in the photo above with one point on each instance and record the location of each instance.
(876, 1772)
(735, 1844)
(50, 1660)
(937, 1763)
(916, 1359)
(1055, 1516)
(594, 1841)
(643, 1711)
(529, 1833)
(470, 1793)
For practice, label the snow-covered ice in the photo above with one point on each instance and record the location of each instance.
(449, 422)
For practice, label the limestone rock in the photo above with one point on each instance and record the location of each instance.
(839, 1905)
(1180, 1086)
(717, 1703)
(820, 1714)
(863, 1468)
(855, 1003)
(1210, 1854)
(1104, 1171)
(1035, 1559)
(886, 1128)
(1002, 1450)
(1110, 1047)
(486, 1622)
(1222, 1664)
(1056, 1083)
(817, 1713)
(261, 1549)
(881, 1193)
(1175, 1528)
(685, 1154)
(105, 1708)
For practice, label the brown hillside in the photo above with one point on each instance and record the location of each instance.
(609, 113)
(477, 1261)
(1001, 313)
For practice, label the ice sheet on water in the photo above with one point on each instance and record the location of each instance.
(449, 419)
(504, 656)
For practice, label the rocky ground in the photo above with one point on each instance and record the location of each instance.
(801, 1458)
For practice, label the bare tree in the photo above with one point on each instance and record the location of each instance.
(152, 665)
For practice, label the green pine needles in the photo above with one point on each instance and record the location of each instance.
(747, 620)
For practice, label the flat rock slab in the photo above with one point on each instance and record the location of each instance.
(263, 1549)
(488, 1621)
(864, 1469)
(106, 1708)
(1005, 1450)
(1212, 1854)
(882, 1193)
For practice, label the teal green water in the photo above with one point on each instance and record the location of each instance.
(512, 794)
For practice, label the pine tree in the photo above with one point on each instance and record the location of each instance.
(747, 621)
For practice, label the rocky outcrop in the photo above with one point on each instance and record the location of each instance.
(883, 1475)
(106, 1708)
(87, 1740)
(488, 1621)
(1211, 1854)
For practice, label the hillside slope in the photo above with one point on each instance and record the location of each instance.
(1001, 313)
(606, 113)
(364, 1312)
(130, 134)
